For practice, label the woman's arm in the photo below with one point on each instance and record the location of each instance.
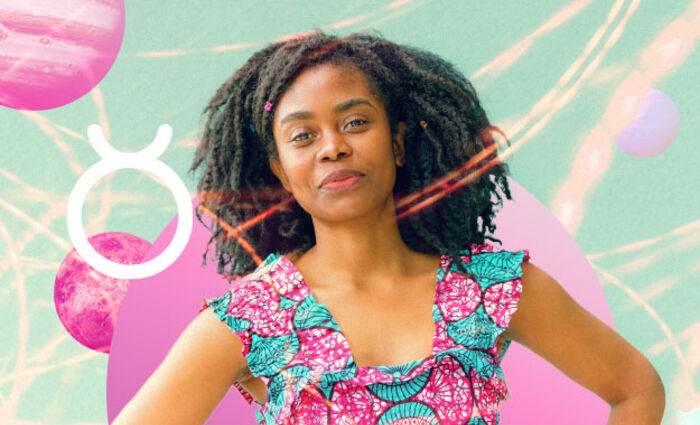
(195, 375)
(550, 323)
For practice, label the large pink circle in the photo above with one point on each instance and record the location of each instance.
(542, 394)
(154, 313)
(156, 310)
(54, 52)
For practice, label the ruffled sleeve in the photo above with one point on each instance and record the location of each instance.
(508, 307)
(257, 308)
(499, 274)
(496, 282)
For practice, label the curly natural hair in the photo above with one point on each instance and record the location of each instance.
(446, 127)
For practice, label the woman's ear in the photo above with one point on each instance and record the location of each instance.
(277, 170)
(398, 144)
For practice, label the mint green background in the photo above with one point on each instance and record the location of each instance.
(48, 378)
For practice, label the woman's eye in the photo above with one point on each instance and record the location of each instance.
(357, 122)
(298, 137)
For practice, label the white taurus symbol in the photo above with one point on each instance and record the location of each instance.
(112, 160)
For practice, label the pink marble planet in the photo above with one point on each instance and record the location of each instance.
(87, 301)
(54, 52)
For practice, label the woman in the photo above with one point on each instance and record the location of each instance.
(379, 300)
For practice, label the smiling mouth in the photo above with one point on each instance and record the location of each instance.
(342, 184)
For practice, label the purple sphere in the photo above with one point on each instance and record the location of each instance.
(87, 301)
(653, 129)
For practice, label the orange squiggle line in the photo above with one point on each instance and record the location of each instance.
(235, 231)
(442, 186)
(445, 184)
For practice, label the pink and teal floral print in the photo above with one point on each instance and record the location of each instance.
(293, 343)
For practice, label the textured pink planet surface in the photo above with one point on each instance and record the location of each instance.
(54, 52)
(654, 128)
(87, 301)
(157, 309)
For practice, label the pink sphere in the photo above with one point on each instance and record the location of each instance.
(87, 301)
(54, 52)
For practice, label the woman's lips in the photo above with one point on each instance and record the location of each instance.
(342, 184)
(339, 175)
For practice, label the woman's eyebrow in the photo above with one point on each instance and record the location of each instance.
(347, 104)
(341, 107)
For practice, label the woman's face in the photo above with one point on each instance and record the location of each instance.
(329, 120)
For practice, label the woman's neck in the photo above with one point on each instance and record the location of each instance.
(358, 253)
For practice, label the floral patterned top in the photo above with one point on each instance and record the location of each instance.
(296, 347)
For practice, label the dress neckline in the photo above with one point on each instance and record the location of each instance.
(307, 292)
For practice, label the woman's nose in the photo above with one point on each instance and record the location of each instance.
(333, 146)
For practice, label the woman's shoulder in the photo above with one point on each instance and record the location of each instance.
(268, 271)
(259, 302)
(248, 290)
(274, 284)
(264, 269)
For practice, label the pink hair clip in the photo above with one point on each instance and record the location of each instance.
(268, 106)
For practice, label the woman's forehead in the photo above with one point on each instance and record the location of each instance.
(321, 76)
(325, 83)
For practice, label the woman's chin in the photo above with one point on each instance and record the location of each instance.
(348, 211)
(343, 216)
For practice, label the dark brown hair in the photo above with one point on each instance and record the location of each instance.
(446, 127)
